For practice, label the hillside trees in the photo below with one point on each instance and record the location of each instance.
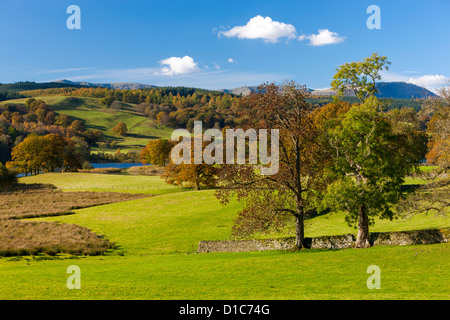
(49, 153)
(439, 128)
(174, 102)
(434, 196)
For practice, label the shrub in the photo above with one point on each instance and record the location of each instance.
(8, 178)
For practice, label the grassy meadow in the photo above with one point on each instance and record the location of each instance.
(156, 258)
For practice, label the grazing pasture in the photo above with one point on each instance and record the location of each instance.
(155, 258)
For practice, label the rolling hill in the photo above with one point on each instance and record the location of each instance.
(392, 90)
(96, 116)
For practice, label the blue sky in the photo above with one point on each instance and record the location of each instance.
(221, 44)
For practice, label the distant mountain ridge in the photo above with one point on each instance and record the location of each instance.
(241, 90)
(118, 85)
(393, 90)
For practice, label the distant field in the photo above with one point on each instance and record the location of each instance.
(104, 182)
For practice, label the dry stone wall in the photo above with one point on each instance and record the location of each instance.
(399, 238)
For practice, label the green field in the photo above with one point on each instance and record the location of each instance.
(156, 259)
(104, 183)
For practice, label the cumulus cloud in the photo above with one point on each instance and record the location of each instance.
(230, 60)
(324, 37)
(262, 28)
(177, 65)
(432, 82)
(429, 80)
(272, 31)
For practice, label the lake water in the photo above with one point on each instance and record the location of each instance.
(116, 165)
(106, 165)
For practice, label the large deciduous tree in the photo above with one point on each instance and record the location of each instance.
(373, 153)
(270, 201)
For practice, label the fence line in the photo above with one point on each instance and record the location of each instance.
(110, 188)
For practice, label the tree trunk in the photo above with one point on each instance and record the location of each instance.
(299, 232)
(197, 184)
(362, 241)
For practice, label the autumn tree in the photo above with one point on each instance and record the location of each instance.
(162, 118)
(360, 77)
(108, 100)
(49, 153)
(27, 155)
(271, 201)
(63, 120)
(156, 152)
(372, 156)
(53, 152)
(439, 128)
(120, 129)
(78, 125)
(191, 174)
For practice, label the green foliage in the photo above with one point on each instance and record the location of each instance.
(360, 77)
(373, 154)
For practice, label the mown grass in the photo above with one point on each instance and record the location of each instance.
(154, 235)
(413, 272)
(153, 185)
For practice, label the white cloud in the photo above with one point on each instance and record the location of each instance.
(177, 65)
(61, 70)
(262, 28)
(208, 78)
(324, 37)
(429, 80)
(230, 60)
